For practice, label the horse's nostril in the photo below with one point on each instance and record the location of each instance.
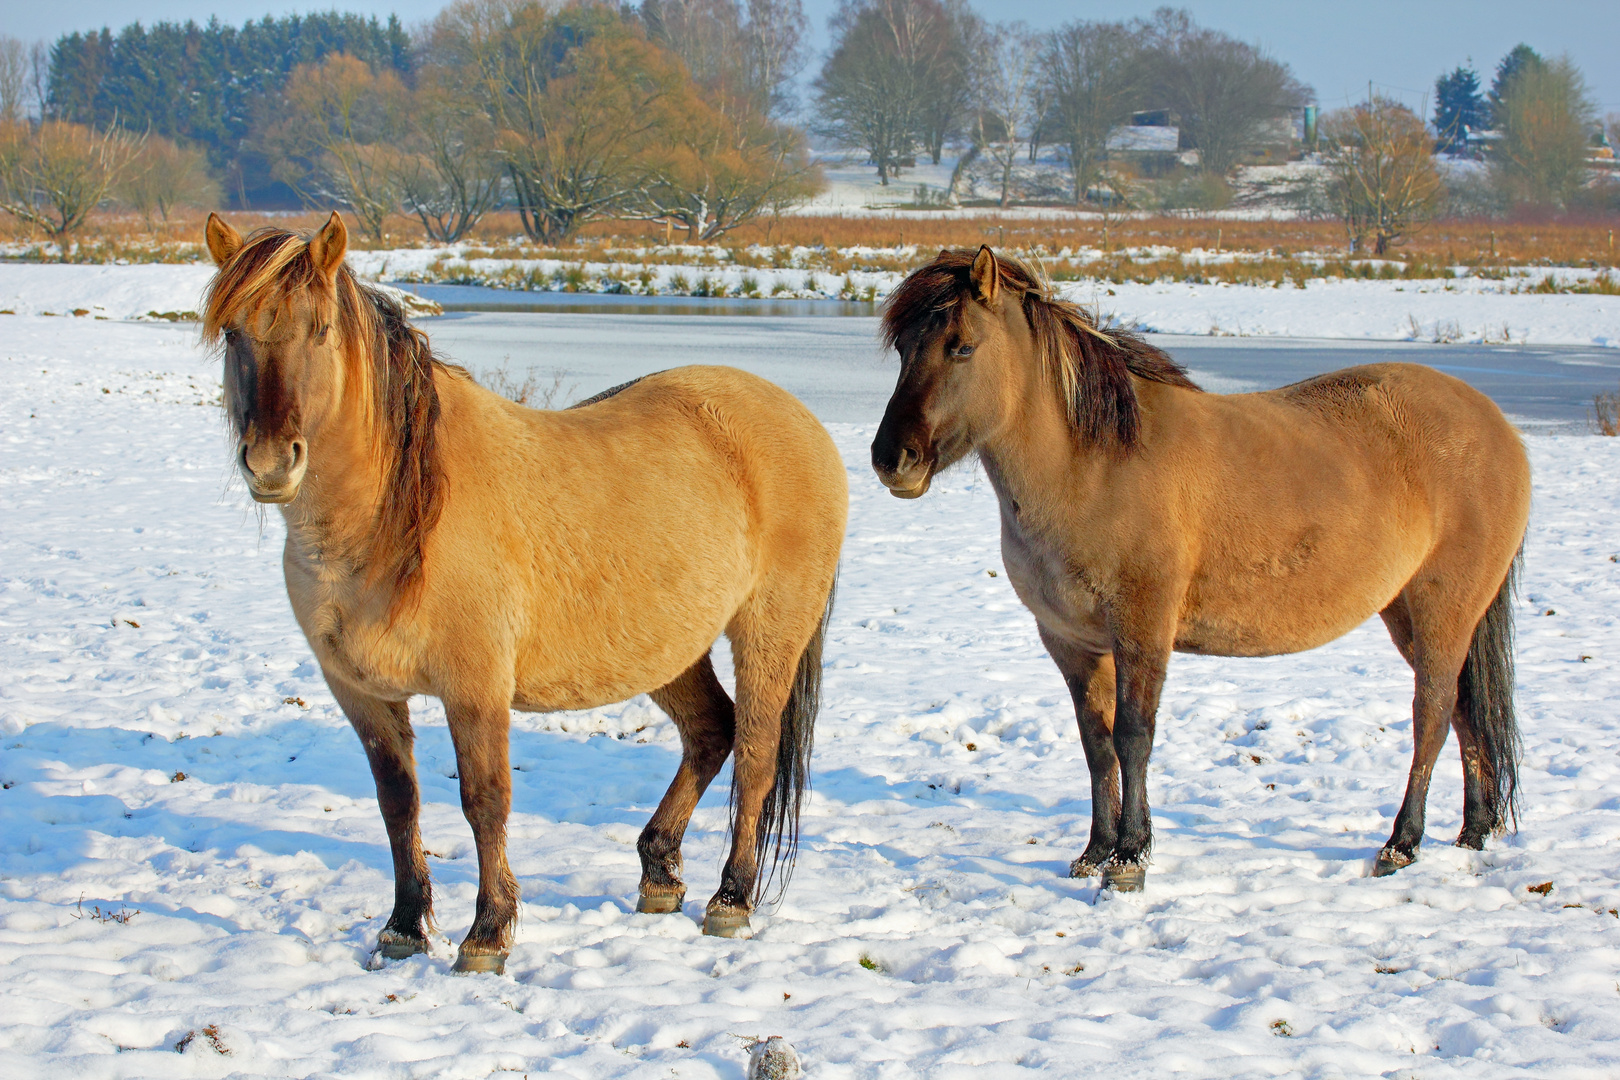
(297, 452)
(908, 457)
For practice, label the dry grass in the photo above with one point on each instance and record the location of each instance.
(1606, 413)
(900, 242)
(529, 389)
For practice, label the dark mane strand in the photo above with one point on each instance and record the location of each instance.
(1091, 368)
(408, 404)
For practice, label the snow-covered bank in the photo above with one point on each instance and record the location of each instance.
(1466, 309)
(167, 749)
(148, 292)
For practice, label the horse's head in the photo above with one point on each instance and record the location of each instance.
(275, 303)
(963, 342)
(983, 344)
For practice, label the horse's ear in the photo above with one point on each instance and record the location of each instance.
(223, 241)
(986, 277)
(327, 248)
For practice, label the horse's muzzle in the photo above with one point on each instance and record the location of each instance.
(904, 470)
(273, 472)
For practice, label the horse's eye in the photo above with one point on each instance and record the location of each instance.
(320, 334)
(961, 352)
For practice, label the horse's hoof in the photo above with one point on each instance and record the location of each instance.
(1389, 860)
(1471, 842)
(393, 945)
(1084, 868)
(478, 961)
(725, 922)
(1124, 877)
(660, 903)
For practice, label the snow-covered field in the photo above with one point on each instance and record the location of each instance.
(1468, 309)
(191, 855)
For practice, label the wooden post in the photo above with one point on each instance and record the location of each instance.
(1493, 243)
(1218, 241)
(669, 227)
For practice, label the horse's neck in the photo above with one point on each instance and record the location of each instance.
(1037, 457)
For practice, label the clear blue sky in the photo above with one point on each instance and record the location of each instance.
(1401, 45)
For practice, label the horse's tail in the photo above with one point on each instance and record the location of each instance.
(1485, 700)
(779, 818)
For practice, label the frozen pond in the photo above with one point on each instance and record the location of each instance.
(834, 365)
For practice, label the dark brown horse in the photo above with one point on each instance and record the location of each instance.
(1141, 516)
(442, 540)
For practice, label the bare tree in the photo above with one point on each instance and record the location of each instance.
(16, 82)
(886, 58)
(1547, 121)
(1224, 91)
(576, 97)
(706, 34)
(336, 137)
(711, 171)
(775, 34)
(163, 175)
(1095, 77)
(745, 52)
(1384, 177)
(948, 96)
(53, 175)
(1005, 82)
(449, 174)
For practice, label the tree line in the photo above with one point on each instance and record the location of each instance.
(668, 112)
(684, 112)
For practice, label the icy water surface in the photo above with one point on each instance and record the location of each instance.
(833, 363)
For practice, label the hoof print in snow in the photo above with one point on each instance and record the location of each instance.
(773, 1059)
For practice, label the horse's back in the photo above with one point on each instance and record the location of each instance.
(1439, 433)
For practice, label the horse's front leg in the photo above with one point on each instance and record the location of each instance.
(480, 732)
(385, 732)
(1090, 678)
(1139, 678)
(704, 715)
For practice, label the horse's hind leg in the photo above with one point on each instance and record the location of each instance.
(703, 714)
(480, 733)
(385, 732)
(1434, 641)
(776, 645)
(1091, 683)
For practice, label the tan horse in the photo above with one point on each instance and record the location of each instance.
(1141, 516)
(442, 540)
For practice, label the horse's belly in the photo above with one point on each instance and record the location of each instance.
(1268, 614)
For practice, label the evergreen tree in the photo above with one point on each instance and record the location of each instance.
(1458, 106)
(205, 84)
(1520, 57)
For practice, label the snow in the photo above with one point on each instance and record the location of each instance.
(146, 635)
(1466, 309)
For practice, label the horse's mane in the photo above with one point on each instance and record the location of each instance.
(1091, 369)
(389, 380)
